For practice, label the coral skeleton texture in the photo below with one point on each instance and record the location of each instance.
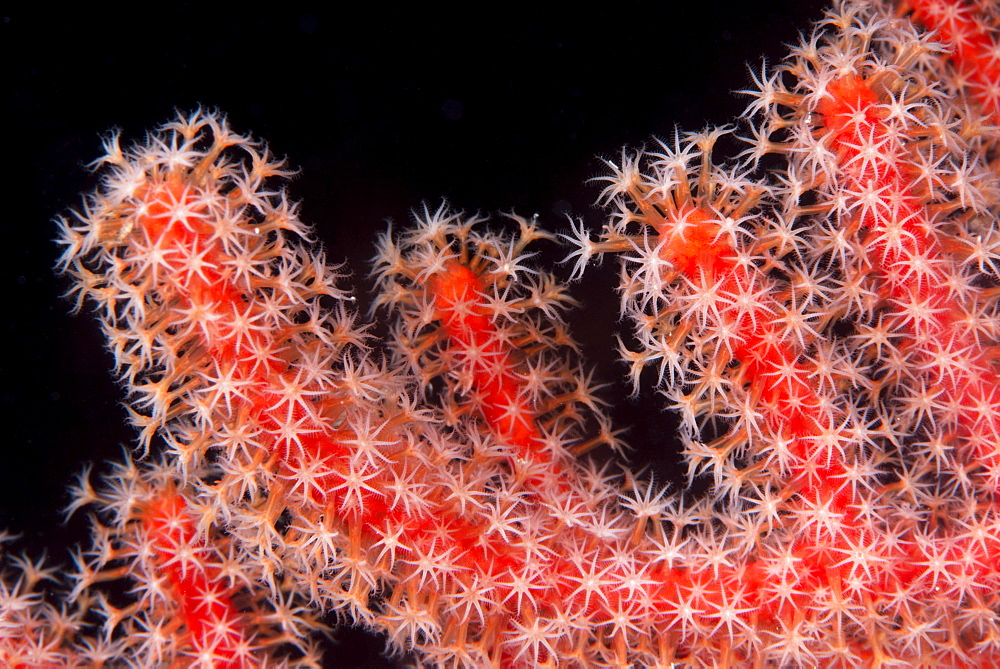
(819, 307)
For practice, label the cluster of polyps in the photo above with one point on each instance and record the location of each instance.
(827, 331)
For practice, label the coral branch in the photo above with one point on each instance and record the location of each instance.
(821, 310)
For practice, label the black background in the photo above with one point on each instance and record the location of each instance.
(495, 107)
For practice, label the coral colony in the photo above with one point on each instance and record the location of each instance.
(821, 310)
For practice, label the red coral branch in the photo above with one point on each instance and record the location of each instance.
(826, 328)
